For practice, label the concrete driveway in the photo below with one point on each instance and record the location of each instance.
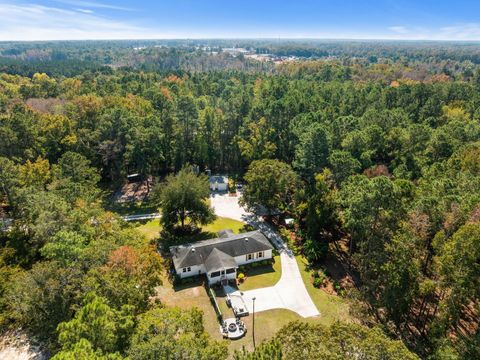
(227, 206)
(288, 293)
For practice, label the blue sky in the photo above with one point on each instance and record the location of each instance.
(162, 19)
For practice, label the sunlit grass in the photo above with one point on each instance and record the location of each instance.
(331, 307)
(262, 276)
(151, 229)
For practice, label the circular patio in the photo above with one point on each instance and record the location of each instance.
(233, 328)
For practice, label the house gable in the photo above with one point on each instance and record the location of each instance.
(235, 245)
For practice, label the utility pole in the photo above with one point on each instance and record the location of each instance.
(253, 326)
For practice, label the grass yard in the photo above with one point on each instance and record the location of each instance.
(131, 208)
(151, 229)
(188, 296)
(262, 276)
(267, 323)
(222, 223)
(332, 308)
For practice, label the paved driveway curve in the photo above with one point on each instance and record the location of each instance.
(290, 291)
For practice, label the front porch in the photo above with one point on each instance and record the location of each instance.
(220, 267)
(223, 276)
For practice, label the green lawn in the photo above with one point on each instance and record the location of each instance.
(131, 208)
(262, 276)
(152, 228)
(267, 323)
(188, 296)
(332, 308)
(222, 223)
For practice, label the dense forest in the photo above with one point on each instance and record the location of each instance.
(373, 149)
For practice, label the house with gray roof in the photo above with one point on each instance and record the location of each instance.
(220, 258)
(218, 183)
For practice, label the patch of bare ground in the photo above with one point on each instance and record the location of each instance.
(131, 192)
(46, 106)
(15, 345)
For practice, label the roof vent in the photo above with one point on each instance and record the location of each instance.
(193, 249)
(246, 239)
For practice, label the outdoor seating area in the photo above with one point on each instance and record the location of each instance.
(235, 301)
(237, 304)
(233, 328)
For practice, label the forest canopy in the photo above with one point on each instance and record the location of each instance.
(373, 148)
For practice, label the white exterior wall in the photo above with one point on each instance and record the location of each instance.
(193, 271)
(222, 187)
(218, 186)
(215, 186)
(242, 260)
(214, 280)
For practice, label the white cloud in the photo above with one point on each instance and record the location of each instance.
(37, 22)
(91, 4)
(463, 32)
(82, 20)
(85, 11)
(469, 31)
(399, 29)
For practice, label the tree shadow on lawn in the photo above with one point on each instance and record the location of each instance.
(188, 283)
(259, 270)
(168, 239)
(337, 270)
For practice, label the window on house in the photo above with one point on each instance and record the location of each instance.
(260, 254)
(187, 269)
(249, 257)
(230, 271)
(215, 274)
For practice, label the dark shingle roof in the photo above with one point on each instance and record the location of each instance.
(226, 233)
(218, 260)
(235, 245)
(217, 179)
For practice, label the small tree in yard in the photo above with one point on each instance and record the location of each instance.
(183, 198)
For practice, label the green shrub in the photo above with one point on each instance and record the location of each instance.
(317, 282)
(314, 250)
(318, 278)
